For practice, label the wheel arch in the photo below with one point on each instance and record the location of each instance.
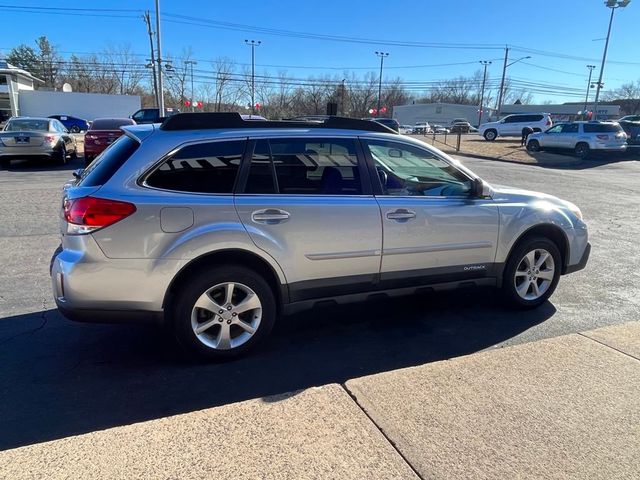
(547, 230)
(235, 256)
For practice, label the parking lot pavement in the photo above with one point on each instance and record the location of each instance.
(565, 408)
(317, 433)
(99, 376)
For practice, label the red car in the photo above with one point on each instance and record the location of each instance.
(102, 133)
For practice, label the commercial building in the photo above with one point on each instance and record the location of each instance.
(439, 113)
(18, 96)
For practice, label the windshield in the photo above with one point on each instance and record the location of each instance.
(27, 126)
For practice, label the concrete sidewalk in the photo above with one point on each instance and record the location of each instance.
(562, 408)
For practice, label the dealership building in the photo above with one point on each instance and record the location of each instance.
(18, 96)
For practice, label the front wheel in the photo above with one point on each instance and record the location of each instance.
(490, 135)
(223, 312)
(532, 272)
(533, 146)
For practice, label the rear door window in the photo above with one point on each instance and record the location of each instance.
(305, 166)
(602, 128)
(108, 162)
(570, 128)
(201, 168)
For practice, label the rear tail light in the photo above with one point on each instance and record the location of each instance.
(91, 137)
(548, 122)
(88, 214)
(602, 137)
(49, 138)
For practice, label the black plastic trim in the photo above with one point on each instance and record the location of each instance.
(581, 264)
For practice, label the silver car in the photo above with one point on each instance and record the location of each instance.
(216, 226)
(581, 137)
(32, 137)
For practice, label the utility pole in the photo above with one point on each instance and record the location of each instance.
(586, 97)
(504, 72)
(342, 92)
(158, 38)
(191, 63)
(382, 56)
(253, 44)
(486, 63)
(147, 20)
(612, 4)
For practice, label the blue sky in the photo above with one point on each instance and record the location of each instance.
(570, 28)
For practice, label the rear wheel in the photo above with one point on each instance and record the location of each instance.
(582, 150)
(88, 159)
(61, 155)
(532, 272)
(75, 129)
(490, 135)
(5, 163)
(533, 146)
(223, 312)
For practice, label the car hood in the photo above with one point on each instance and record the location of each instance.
(502, 193)
(489, 124)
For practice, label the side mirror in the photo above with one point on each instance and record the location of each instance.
(78, 173)
(479, 189)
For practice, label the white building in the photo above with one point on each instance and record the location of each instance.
(19, 97)
(439, 113)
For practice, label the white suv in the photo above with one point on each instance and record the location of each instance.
(581, 137)
(512, 125)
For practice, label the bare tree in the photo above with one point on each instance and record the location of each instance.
(627, 96)
(126, 66)
(177, 76)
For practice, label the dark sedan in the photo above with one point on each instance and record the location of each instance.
(73, 124)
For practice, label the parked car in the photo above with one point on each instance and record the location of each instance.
(460, 125)
(632, 129)
(630, 118)
(422, 128)
(440, 129)
(102, 133)
(152, 115)
(512, 125)
(215, 226)
(73, 124)
(34, 137)
(581, 137)
(406, 129)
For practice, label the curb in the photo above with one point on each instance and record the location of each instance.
(537, 164)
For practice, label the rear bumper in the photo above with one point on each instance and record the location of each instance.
(582, 263)
(19, 152)
(609, 148)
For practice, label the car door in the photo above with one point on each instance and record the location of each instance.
(434, 230)
(306, 202)
(551, 138)
(568, 136)
(66, 136)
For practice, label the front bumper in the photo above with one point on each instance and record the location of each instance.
(582, 263)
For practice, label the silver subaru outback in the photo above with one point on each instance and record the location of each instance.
(217, 225)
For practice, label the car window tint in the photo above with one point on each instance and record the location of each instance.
(570, 128)
(201, 168)
(556, 129)
(510, 119)
(27, 125)
(306, 166)
(602, 128)
(108, 162)
(261, 178)
(405, 170)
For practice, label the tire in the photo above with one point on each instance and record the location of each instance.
(518, 279)
(490, 135)
(74, 154)
(75, 129)
(88, 159)
(226, 326)
(533, 146)
(582, 150)
(61, 156)
(5, 163)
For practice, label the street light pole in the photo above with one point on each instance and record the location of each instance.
(159, 52)
(486, 63)
(612, 4)
(382, 56)
(253, 44)
(505, 65)
(586, 97)
(342, 97)
(191, 63)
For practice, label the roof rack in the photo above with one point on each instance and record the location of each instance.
(228, 120)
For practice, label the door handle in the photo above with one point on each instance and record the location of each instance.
(270, 216)
(401, 214)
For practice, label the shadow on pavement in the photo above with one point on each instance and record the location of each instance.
(44, 165)
(59, 378)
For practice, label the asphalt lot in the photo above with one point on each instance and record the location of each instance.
(59, 378)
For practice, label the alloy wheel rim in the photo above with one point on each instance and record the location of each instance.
(226, 316)
(534, 274)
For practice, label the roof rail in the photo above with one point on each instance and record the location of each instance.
(227, 120)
